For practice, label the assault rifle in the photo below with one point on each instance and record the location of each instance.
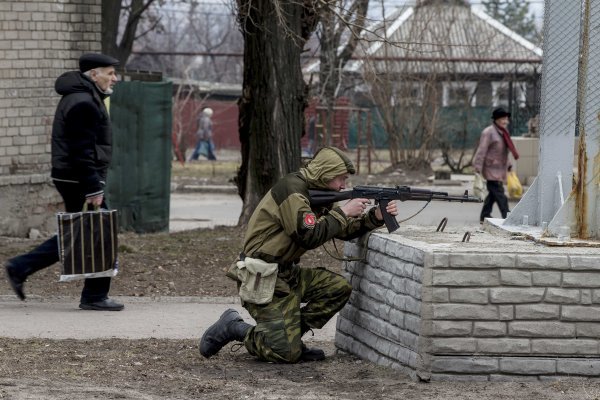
(383, 195)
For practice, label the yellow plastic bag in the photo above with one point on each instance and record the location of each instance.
(479, 186)
(515, 190)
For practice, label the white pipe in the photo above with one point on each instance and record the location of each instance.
(560, 188)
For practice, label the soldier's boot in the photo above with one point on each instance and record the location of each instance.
(229, 327)
(311, 354)
(308, 353)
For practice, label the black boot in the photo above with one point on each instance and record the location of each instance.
(20, 267)
(229, 327)
(15, 279)
(311, 354)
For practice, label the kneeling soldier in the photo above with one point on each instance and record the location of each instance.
(271, 284)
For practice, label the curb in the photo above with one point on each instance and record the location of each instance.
(9, 298)
(180, 188)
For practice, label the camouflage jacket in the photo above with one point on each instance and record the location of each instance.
(284, 226)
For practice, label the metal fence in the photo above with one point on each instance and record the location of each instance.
(569, 123)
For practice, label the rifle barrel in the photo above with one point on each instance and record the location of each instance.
(401, 193)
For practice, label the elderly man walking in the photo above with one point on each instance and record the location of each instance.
(81, 154)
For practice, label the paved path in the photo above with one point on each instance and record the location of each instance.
(203, 210)
(164, 318)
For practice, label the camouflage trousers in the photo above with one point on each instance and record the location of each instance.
(281, 323)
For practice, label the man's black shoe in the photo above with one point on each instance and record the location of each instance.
(311, 354)
(16, 282)
(229, 327)
(104, 305)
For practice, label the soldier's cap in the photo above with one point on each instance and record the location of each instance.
(89, 61)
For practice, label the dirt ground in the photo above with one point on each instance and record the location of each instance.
(191, 264)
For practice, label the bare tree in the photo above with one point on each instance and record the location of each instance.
(432, 90)
(118, 38)
(341, 26)
(407, 96)
(174, 34)
(215, 32)
(194, 38)
(271, 117)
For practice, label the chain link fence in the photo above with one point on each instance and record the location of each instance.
(569, 122)
(559, 71)
(570, 82)
(589, 84)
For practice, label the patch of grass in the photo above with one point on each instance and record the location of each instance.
(123, 248)
(204, 169)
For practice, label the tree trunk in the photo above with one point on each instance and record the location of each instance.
(271, 109)
(111, 18)
(111, 11)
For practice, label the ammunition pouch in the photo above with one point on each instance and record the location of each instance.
(257, 279)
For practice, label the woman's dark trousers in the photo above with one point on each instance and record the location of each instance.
(495, 195)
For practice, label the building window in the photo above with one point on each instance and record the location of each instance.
(409, 94)
(500, 94)
(458, 94)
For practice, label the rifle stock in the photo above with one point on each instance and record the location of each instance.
(383, 195)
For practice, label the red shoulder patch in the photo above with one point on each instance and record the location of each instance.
(309, 220)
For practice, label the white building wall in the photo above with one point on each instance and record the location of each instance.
(39, 40)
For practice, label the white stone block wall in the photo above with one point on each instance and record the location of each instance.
(382, 320)
(39, 40)
(488, 313)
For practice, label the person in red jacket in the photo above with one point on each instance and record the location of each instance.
(492, 162)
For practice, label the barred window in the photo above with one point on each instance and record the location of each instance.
(459, 94)
(501, 93)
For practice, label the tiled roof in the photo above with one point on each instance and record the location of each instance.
(445, 39)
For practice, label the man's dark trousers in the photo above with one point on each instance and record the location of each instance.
(495, 194)
(46, 254)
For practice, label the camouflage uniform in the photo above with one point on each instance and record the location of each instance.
(281, 229)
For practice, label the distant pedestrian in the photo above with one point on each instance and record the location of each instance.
(492, 162)
(81, 154)
(312, 133)
(205, 145)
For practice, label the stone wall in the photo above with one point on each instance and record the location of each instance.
(490, 309)
(39, 40)
(382, 320)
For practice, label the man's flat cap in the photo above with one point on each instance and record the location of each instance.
(94, 60)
